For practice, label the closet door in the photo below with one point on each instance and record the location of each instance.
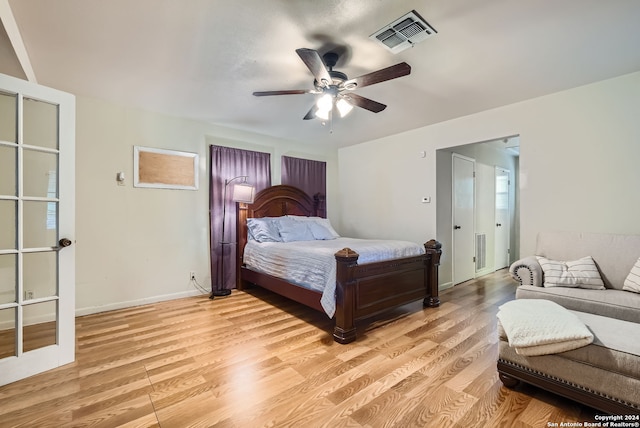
(37, 259)
(463, 218)
(503, 223)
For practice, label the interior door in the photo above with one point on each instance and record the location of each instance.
(463, 218)
(37, 272)
(503, 221)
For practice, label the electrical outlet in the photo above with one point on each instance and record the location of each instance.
(192, 276)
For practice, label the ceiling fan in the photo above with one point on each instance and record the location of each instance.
(336, 88)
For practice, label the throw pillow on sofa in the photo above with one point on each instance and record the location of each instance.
(581, 273)
(632, 282)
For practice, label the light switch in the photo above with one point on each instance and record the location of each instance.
(426, 199)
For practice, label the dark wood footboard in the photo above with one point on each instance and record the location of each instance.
(372, 288)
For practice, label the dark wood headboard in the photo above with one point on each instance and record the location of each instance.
(275, 201)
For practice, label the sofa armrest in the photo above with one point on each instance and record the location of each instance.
(527, 271)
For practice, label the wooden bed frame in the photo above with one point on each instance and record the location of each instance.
(361, 290)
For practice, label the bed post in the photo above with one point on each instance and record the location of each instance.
(241, 239)
(320, 205)
(434, 251)
(345, 329)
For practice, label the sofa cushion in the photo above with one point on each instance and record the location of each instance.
(581, 273)
(609, 303)
(632, 283)
(613, 254)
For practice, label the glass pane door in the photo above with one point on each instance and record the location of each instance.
(36, 211)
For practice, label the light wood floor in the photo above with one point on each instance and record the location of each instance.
(257, 360)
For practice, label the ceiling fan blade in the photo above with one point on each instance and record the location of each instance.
(315, 64)
(311, 114)
(288, 92)
(382, 75)
(364, 103)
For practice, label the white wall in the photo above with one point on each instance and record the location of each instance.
(578, 154)
(138, 245)
(578, 166)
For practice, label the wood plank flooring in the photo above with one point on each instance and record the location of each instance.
(255, 359)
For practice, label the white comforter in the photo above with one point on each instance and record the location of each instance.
(312, 264)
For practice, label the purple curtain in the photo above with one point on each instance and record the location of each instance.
(226, 164)
(305, 174)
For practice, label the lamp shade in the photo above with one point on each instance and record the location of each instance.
(243, 192)
(344, 107)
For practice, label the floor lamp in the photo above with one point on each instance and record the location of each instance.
(242, 192)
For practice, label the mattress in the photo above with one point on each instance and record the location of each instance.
(312, 264)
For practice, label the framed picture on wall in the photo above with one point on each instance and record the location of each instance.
(165, 169)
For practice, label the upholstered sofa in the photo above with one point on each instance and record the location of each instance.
(606, 373)
(614, 256)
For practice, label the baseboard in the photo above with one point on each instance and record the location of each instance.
(446, 285)
(131, 303)
(483, 272)
(7, 325)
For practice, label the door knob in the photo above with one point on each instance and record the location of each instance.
(64, 242)
(457, 227)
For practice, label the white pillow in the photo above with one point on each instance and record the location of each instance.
(321, 221)
(319, 232)
(263, 229)
(632, 282)
(291, 230)
(581, 273)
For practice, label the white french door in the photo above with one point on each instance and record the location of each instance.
(37, 229)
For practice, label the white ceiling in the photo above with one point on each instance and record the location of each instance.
(202, 59)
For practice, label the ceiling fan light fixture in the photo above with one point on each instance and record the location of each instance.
(325, 102)
(324, 106)
(323, 114)
(344, 107)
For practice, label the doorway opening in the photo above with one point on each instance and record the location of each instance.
(488, 241)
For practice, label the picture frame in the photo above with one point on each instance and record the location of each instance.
(165, 169)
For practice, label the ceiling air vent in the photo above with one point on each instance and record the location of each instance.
(404, 32)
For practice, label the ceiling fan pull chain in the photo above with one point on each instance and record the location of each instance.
(331, 122)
